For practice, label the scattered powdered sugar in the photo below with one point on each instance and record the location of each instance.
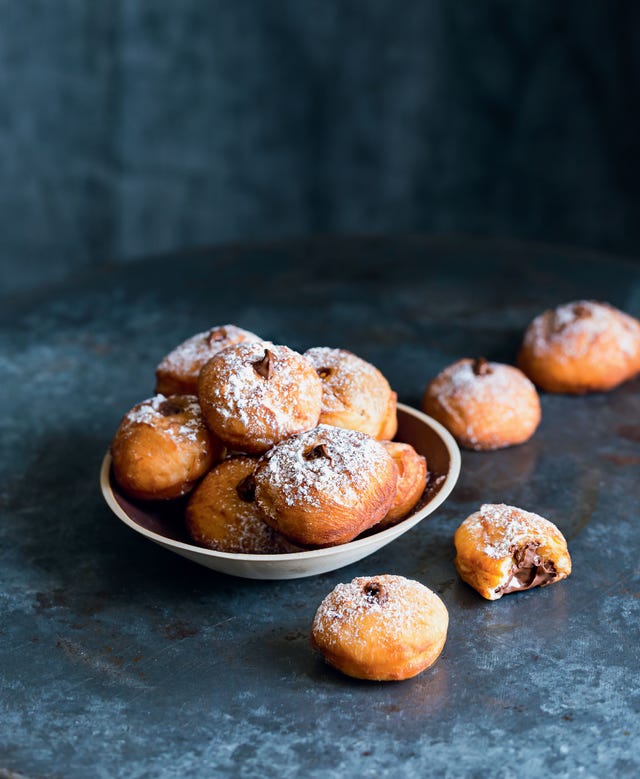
(576, 326)
(191, 355)
(251, 534)
(345, 376)
(237, 392)
(503, 528)
(326, 461)
(395, 599)
(179, 416)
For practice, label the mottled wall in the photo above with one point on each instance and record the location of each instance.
(135, 127)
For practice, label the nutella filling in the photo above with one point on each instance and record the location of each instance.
(318, 451)
(375, 592)
(528, 570)
(169, 408)
(264, 367)
(481, 367)
(246, 489)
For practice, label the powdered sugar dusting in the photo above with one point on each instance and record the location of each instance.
(576, 326)
(346, 376)
(237, 392)
(191, 355)
(504, 528)
(185, 423)
(498, 385)
(395, 599)
(341, 473)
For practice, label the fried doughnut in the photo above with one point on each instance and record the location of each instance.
(162, 447)
(222, 513)
(355, 395)
(502, 549)
(255, 394)
(581, 347)
(383, 628)
(178, 372)
(325, 486)
(412, 481)
(484, 405)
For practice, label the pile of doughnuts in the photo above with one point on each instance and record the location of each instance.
(283, 452)
(278, 451)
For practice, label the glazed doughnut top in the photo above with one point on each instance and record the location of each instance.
(326, 460)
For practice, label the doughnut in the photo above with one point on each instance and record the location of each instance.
(384, 628)
(325, 486)
(222, 514)
(355, 395)
(581, 347)
(255, 394)
(162, 447)
(412, 481)
(502, 549)
(178, 372)
(484, 405)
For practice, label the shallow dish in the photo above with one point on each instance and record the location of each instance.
(162, 523)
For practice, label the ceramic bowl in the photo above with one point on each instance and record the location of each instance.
(161, 522)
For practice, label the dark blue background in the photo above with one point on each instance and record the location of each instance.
(128, 128)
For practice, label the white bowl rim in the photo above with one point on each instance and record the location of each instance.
(378, 539)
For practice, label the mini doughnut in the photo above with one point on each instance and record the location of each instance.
(412, 481)
(581, 347)
(484, 405)
(162, 447)
(178, 372)
(325, 486)
(383, 628)
(255, 394)
(355, 395)
(502, 549)
(222, 513)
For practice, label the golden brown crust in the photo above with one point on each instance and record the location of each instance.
(178, 372)
(390, 422)
(412, 481)
(484, 405)
(579, 347)
(162, 447)
(383, 628)
(222, 513)
(501, 549)
(356, 396)
(255, 394)
(325, 486)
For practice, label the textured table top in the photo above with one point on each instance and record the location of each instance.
(119, 658)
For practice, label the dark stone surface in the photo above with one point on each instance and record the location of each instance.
(118, 658)
(129, 127)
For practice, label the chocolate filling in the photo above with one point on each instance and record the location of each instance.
(264, 367)
(318, 451)
(217, 335)
(168, 408)
(324, 373)
(528, 570)
(481, 367)
(246, 489)
(375, 592)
